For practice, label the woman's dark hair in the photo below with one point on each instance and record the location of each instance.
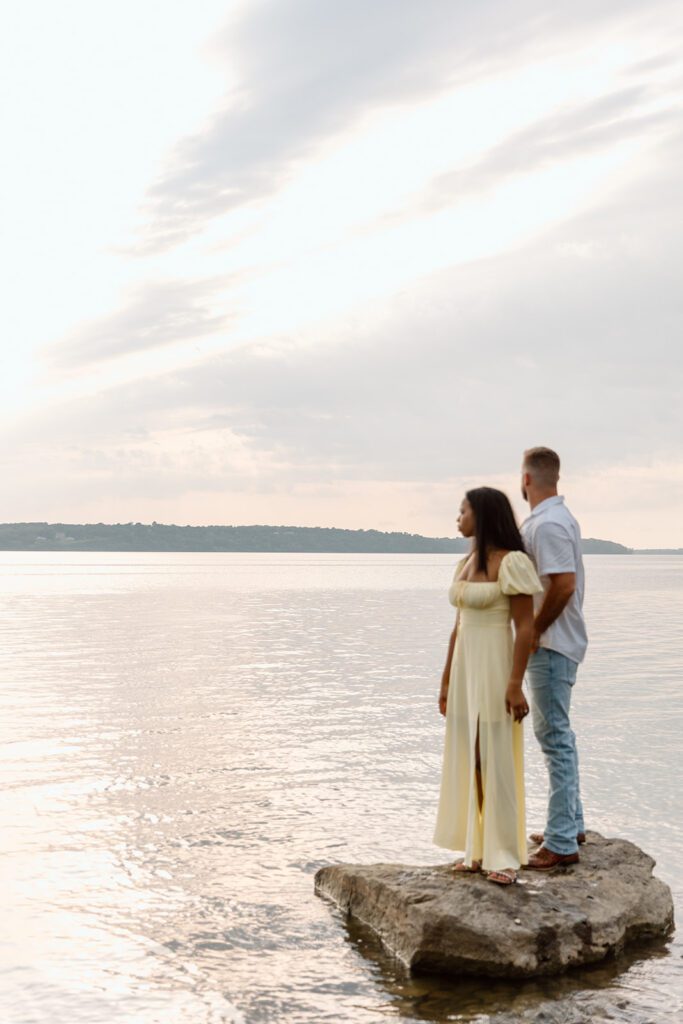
(494, 523)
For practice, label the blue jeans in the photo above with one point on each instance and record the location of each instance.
(551, 677)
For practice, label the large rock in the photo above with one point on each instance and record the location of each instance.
(435, 920)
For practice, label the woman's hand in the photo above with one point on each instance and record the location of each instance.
(443, 697)
(515, 701)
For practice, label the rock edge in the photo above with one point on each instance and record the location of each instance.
(434, 920)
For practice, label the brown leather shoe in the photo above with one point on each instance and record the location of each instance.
(538, 837)
(544, 859)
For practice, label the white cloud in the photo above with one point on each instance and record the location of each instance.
(310, 71)
(376, 274)
(156, 314)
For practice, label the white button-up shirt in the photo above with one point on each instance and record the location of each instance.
(553, 540)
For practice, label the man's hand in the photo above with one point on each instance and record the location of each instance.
(443, 698)
(515, 701)
(535, 641)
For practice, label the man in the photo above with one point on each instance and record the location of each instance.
(553, 540)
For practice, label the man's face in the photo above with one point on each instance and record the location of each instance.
(524, 483)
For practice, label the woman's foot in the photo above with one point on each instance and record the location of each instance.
(505, 877)
(460, 868)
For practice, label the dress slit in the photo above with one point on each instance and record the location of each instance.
(478, 773)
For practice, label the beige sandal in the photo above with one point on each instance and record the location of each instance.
(506, 877)
(460, 868)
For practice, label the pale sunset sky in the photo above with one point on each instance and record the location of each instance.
(331, 262)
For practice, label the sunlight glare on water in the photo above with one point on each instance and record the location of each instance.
(185, 739)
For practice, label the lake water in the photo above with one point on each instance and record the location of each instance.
(187, 738)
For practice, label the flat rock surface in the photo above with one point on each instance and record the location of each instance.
(435, 920)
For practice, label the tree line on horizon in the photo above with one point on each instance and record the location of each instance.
(168, 537)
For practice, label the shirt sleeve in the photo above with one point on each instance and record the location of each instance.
(553, 550)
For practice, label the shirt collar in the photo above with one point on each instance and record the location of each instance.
(556, 499)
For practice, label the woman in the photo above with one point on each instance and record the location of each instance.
(481, 807)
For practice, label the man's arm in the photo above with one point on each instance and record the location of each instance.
(555, 560)
(557, 596)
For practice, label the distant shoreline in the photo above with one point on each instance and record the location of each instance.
(142, 537)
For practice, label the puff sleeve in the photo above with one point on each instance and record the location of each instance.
(517, 575)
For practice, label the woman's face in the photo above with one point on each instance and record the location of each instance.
(466, 519)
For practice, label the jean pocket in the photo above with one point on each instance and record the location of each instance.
(563, 668)
(570, 668)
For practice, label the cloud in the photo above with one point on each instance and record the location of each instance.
(563, 136)
(156, 314)
(310, 70)
(162, 313)
(568, 341)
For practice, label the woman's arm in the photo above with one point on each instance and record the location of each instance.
(446, 674)
(522, 612)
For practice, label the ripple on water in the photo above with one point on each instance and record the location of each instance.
(187, 739)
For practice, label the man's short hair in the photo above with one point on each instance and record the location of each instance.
(543, 464)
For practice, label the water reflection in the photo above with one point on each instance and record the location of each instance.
(186, 739)
(423, 997)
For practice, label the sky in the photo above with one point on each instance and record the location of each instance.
(330, 264)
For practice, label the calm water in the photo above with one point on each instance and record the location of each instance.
(187, 738)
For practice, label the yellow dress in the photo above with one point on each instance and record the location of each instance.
(480, 672)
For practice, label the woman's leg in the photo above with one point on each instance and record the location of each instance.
(477, 772)
(499, 767)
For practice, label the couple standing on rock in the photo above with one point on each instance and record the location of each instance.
(534, 579)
